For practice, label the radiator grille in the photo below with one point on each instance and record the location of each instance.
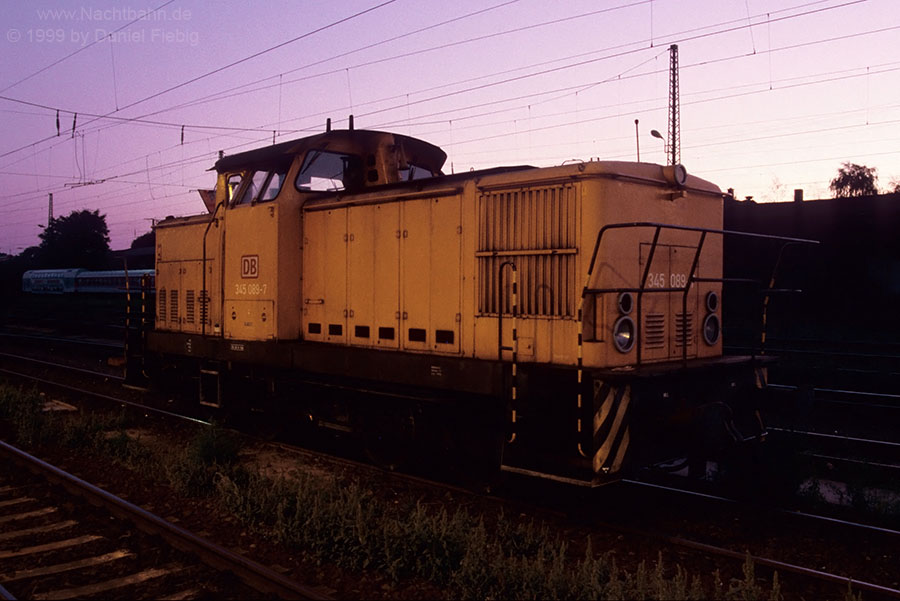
(534, 228)
(654, 333)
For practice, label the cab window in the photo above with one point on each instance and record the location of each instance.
(324, 171)
(273, 186)
(234, 182)
(263, 186)
(412, 172)
(252, 188)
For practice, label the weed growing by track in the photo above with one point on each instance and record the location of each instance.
(345, 524)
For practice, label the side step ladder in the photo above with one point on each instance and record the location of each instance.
(210, 387)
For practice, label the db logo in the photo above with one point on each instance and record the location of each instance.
(250, 266)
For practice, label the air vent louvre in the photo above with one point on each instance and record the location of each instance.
(162, 304)
(680, 327)
(654, 333)
(189, 306)
(173, 305)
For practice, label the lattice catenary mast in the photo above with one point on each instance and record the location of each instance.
(674, 108)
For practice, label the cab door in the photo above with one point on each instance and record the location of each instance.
(251, 272)
(325, 275)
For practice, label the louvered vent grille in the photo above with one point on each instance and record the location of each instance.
(162, 304)
(204, 306)
(189, 306)
(534, 228)
(654, 333)
(680, 326)
(173, 305)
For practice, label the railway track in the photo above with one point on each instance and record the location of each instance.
(715, 548)
(104, 343)
(508, 500)
(54, 545)
(884, 538)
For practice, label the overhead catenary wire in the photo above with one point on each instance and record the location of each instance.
(460, 112)
(206, 156)
(227, 66)
(84, 47)
(688, 35)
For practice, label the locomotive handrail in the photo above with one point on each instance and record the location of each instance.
(515, 339)
(689, 228)
(204, 294)
(689, 280)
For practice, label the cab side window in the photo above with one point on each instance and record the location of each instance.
(263, 186)
(234, 183)
(413, 172)
(252, 189)
(325, 171)
(273, 185)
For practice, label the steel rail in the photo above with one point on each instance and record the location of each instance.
(861, 393)
(883, 443)
(891, 466)
(85, 341)
(63, 366)
(773, 563)
(252, 573)
(803, 514)
(781, 565)
(106, 397)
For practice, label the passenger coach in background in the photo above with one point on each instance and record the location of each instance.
(68, 281)
(562, 322)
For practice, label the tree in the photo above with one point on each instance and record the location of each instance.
(80, 239)
(147, 240)
(854, 180)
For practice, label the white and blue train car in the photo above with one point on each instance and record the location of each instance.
(82, 281)
(112, 282)
(50, 281)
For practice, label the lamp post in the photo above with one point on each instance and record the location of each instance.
(656, 134)
(637, 139)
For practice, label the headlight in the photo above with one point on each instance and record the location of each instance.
(626, 303)
(624, 334)
(712, 301)
(711, 329)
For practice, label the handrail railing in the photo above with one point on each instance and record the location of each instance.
(689, 280)
(513, 391)
(642, 288)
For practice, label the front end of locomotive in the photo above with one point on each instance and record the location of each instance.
(651, 383)
(657, 388)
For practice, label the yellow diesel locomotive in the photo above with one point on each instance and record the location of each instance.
(563, 322)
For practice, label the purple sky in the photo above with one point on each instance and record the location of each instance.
(775, 95)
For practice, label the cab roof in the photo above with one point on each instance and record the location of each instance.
(356, 141)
